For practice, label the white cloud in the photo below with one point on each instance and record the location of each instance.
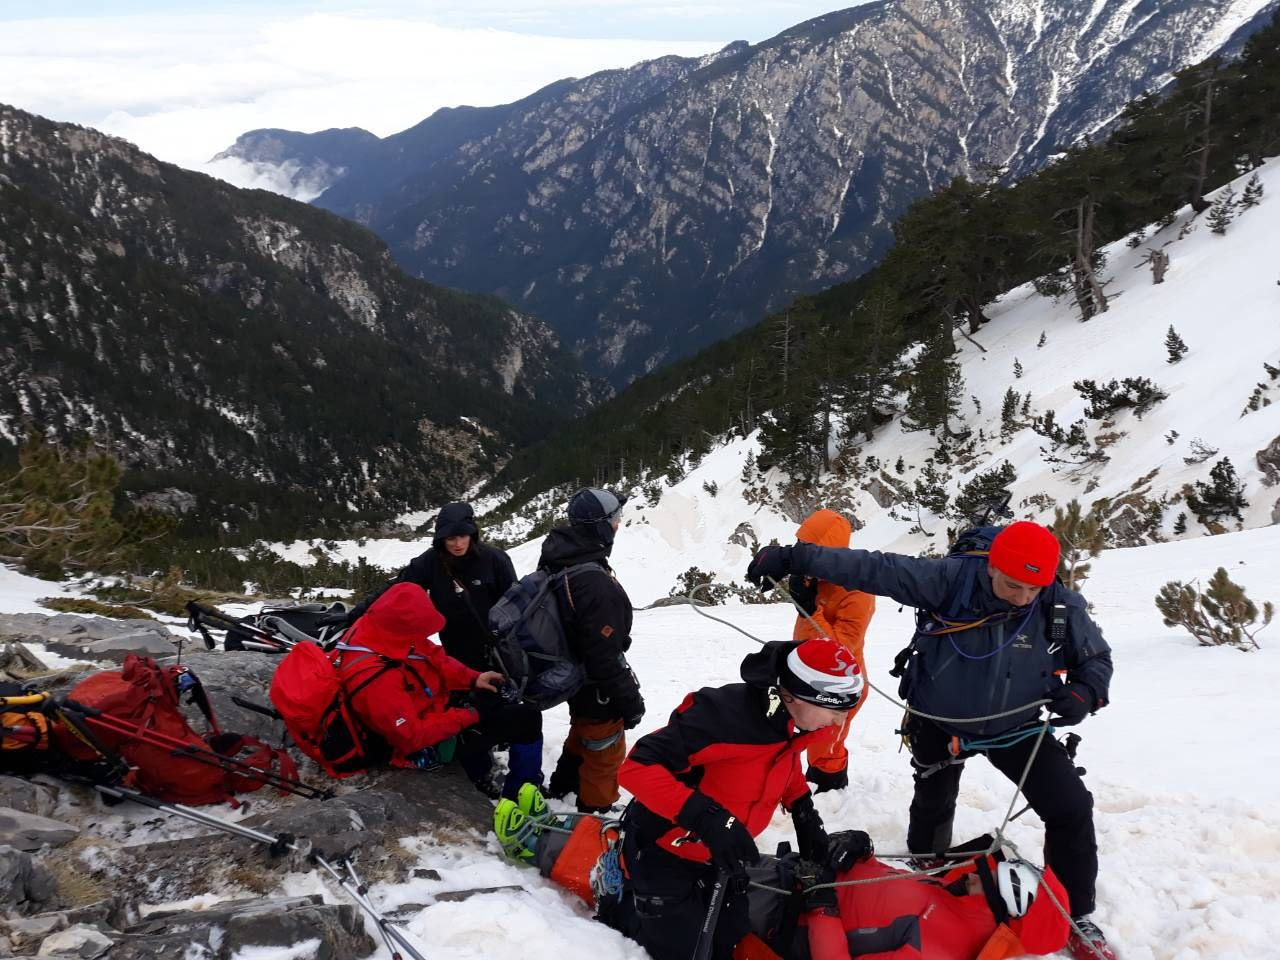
(184, 87)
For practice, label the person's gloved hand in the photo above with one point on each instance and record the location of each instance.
(811, 838)
(732, 847)
(823, 780)
(847, 847)
(804, 591)
(772, 562)
(1072, 702)
(809, 874)
(630, 709)
(339, 618)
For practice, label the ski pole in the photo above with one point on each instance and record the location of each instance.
(278, 844)
(197, 614)
(707, 933)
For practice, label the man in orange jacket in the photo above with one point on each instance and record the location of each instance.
(842, 615)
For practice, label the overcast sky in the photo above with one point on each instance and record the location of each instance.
(184, 79)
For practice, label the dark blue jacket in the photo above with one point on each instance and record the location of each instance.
(980, 671)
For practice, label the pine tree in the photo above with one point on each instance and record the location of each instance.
(1017, 369)
(1180, 525)
(1175, 345)
(1221, 497)
(975, 496)
(1009, 413)
(1252, 195)
(899, 467)
(1081, 536)
(1222, 212)
(936, 387)
(1026, 405)
(1042, 341)
(1221, 615)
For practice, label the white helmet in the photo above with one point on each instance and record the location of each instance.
(1017, 882)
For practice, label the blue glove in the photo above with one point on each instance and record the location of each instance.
(1072, 702)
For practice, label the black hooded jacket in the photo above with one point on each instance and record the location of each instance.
(596, 613)
(463, 589)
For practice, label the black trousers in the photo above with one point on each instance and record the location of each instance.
(665, 901)
(1053, 788)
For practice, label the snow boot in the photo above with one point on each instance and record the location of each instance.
(525, 761)
(564, 778)
(1090, 943)
(516, 833)
(823, 780)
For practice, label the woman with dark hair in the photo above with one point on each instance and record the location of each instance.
(466, 577)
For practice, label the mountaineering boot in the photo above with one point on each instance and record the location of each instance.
(564, 778)
(533, 804)
(515, 831)
(1092, 945)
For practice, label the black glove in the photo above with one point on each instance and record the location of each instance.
(809, 874)
(823, 781)
(847, 847)
(772, 562)
(731, 844)
(804, 591)
(631, 709)
(811, 838)
(1072, 702)
(339, 618)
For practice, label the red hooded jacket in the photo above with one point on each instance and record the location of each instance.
(408, 704)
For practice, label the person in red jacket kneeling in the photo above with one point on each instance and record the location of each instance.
(709, 782)
(398, 680)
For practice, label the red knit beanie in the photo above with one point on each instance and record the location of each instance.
(1026, 552)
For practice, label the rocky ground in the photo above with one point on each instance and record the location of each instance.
(79, 878)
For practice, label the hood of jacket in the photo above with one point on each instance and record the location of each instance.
(576, 543)
(455, 520)
(399, 620)
(762, 668)
(825, 528)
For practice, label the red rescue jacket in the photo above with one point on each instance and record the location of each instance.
(735, 743)
(407, 704)
(918, 918)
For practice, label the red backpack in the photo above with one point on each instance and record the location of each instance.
(308, 693)
(136, 714)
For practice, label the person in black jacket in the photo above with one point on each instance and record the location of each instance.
(596, 613)
(1007, 632)
(465, 578)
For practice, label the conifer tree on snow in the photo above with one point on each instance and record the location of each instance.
(1222, 212)
(1017, 369)
(1221, 497)
(1009, 413)
(1221, 615)
(1081, 537)
(1175, 345)
(1252, 195)
(933, 399)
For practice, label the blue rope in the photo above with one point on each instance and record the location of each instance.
(1003, 740)
(611, 871)
(1012, 637)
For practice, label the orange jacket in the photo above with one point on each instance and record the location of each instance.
(842, 614)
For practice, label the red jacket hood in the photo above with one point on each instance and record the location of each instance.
(825, 528)
(400, 619)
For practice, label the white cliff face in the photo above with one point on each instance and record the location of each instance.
(646, 212)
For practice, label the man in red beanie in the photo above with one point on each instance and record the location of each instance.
(995, 632)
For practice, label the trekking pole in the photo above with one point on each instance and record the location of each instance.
(363, 891)
(707, 933)
(277, 844)
(198, 614)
